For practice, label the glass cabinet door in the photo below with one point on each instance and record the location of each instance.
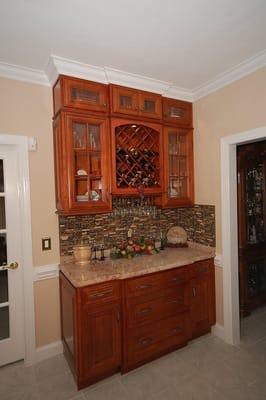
(179, 166)
(124, 100)
(150, 105)
(87, 155)
(177, 112)
(86, 95)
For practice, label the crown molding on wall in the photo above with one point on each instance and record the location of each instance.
(23, 74)
(59, 65)
(136, 81)
(234, 74)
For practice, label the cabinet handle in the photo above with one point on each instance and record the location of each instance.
(176, 279)
(145, 340)
(105, 104)
(94, 295)
(118, 317)
(175, 301)
(176, 330)
(145, 310)
(146, 286)
(194, 291)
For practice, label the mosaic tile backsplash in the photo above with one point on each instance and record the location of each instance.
(111, 229)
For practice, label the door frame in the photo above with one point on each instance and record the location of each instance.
(21, 145)
(230, 229)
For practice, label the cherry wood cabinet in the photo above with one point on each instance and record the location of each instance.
(137, 162)
(178, 167)
(122, 324)
(74, 93)
(91, 330)
(135, 102)
(202, 286)
(177, 112)
(114, 140)
(81, 146)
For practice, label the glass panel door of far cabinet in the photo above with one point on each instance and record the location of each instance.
(87, 148)
(255, 197)
(177, 165)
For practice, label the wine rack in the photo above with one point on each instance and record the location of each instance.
(137, 156)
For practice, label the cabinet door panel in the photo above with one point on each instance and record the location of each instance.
(101, 340)
(124, 100)
(87, 95)
(88, 160)
(177, 112)
(178, 169)
(150, 105)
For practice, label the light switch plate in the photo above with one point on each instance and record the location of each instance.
(46, 243)
(32, 144)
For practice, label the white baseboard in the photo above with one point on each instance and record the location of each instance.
(218, 330)
(50, 350)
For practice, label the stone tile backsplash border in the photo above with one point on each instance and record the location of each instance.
(110, 229)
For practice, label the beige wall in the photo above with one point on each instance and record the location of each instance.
(26, 109)
(236, 108)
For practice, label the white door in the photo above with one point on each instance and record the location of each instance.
(12, 346)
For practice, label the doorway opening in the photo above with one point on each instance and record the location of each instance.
(229, 226)
(251, 190)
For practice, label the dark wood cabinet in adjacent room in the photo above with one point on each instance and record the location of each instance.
(251, 161)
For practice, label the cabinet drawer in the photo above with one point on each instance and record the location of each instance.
(173, 301)
(201, 268)
(176, 276)
(87, 95)
(144, 285)
(102, 293)
(147, 342)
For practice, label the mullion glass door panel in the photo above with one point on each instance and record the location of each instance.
(4, 295)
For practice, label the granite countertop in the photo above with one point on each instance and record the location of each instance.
(102, 271)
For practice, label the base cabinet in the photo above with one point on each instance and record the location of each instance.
(120, 325)
(202, 298)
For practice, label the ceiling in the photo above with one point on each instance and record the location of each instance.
(188, 43)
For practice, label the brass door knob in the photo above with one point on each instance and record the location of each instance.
(13, 265)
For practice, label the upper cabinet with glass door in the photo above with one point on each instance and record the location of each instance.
(177, 112)
(80, 94)
(128, 101)
(81, 164)
(178, 168)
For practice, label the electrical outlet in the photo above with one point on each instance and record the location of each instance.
(46, 243)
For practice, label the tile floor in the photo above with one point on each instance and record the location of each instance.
(207, 369)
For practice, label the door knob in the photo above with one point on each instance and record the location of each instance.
(13, 265)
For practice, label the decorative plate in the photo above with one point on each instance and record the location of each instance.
(177, 235)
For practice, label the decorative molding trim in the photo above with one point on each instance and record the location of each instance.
(46, 272)
(218, 260)
(50, 350)
(234, 74)
(175, 92)
(136, 81)
(58, 65)
(23, 74)
(218, 330)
